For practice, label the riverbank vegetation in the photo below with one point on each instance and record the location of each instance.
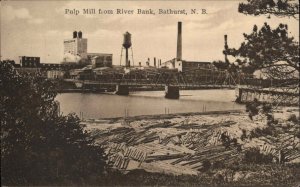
(239, 174)
(38, 145)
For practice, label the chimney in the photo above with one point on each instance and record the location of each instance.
(154, 62)
(179, 42)
(225, 40)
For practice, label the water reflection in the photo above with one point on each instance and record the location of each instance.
(146, 103)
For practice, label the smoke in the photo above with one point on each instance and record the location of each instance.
(70, 58)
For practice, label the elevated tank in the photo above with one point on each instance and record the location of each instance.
(75, 34)
(79, 34)
(127, 40)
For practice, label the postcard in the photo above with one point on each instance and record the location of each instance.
(150, 93)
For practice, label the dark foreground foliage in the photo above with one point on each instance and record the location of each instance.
(38, 145)
(233, 175)
(253, 155)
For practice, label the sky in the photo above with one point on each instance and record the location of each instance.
(38, 28)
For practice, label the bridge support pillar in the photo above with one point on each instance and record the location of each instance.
(171, 92)
(122, 90)
(239, 95)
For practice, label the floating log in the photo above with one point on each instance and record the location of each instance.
(163, 157)
(187, 157)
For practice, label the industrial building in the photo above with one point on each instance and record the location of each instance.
(184, 65)
(92, 55)
(29, 62)
(102, 60)
(55, 74)
(76, 46)
(75, 49)
(49, 66)
(85, 73)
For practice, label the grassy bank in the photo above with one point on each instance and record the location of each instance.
(235, 175)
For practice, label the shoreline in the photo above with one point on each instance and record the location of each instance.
(134, 89)
(165, 116)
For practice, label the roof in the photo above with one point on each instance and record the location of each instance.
(196, 62)
(99, 54)
(102, 68)
(29, 56)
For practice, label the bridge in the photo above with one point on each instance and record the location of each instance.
(169, 79)
(123, 80)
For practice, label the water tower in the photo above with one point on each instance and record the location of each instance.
(126, 45)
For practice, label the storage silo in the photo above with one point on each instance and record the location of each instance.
(79, 34)
(75, 34)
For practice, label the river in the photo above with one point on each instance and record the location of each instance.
(146, 103)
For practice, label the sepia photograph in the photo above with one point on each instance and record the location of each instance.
(150, 93)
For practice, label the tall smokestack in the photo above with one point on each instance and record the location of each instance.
(179, 42)
(225, 40)
(154, 62)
